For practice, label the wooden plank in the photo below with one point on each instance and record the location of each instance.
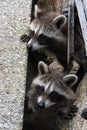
(85, 7)
(82, 19)
(70, 45)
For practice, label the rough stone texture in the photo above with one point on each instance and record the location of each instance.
(14, 19)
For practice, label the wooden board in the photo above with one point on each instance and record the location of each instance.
(85, 7)
(70, 45)
(82, 18)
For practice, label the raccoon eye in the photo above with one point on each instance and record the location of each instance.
(53, 94)
(39, 89)
(55, 97)
(42, 39)
(31, 33)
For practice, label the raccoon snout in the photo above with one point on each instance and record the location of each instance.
(41, 105)
(29, 47)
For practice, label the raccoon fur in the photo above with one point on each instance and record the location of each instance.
(50, 99)
(49, 31)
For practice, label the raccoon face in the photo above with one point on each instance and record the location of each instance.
(46, 32)
(48, 89)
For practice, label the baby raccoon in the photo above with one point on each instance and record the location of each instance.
(51, 99)
(50, 87)
(49, 30)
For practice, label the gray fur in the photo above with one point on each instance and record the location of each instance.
(51, 81)
(46, 26)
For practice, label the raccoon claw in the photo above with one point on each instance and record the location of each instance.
(24, 38)
(74, 109)
(72, 112)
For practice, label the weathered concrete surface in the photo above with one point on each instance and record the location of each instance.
(14, 19)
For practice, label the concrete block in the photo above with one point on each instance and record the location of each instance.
(14, 20)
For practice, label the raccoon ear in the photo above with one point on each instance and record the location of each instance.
(60, 21)
(42, 68)
(70, 79)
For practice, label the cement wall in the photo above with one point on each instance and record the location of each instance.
(14, 19)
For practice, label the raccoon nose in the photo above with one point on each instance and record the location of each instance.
(29, 47)
(41, 105)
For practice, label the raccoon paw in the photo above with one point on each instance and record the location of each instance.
(24, 38)
(72, 112)
(84, 113)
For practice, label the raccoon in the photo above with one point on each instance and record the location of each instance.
(51, 99)
(45, 30)
(49, 31)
